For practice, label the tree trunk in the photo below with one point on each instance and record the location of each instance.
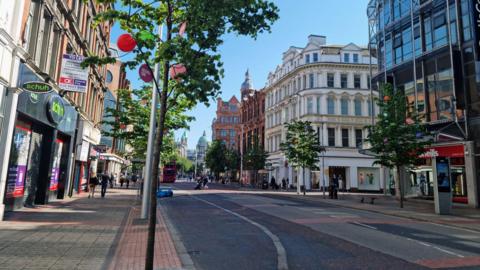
(303, 180)
(399, 185)
(157, 148)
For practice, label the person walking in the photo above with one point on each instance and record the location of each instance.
(111, 180)
(92, 184)
(104, 184)
(273, 183)
(128, 180)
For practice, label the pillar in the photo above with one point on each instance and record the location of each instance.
(470, 172)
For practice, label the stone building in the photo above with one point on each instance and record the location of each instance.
(53, 130)
(327, 85)
(252, 118)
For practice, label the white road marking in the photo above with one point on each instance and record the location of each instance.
(281, 253)
(448, 252)
(364, 225)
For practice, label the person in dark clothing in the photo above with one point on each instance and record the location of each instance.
(284, 184)
(104, 184)
(273, 183)
(205, 181)
(128, 181)
(111, 180)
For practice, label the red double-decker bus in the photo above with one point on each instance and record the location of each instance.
(169, 173)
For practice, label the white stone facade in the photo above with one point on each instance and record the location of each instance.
(327, 85)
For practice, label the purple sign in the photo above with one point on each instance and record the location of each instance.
(145, 73)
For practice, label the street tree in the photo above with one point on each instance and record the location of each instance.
(398, 138)
(184, 165)
(216, 158)
(255, 158)
(232, 158)
(196, 50)
(302, 147)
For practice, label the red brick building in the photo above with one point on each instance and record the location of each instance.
(252, 115)
(226, 126)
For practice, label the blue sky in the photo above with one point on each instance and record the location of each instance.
(341, 21)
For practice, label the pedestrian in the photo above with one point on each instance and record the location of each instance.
(127, 179)
(92, 184)
(284, 184)
(134, 179)
(272, 182)
(335, 187)
(111, 180)
(104, 184)
(205, 181)
(340, 182)
(122, 179)
(288, 183)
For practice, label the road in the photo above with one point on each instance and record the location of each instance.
(228, 229)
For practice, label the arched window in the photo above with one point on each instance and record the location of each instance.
(330, 105)
(358, 107)
(344, 105)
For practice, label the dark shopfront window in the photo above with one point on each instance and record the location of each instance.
(439, 88)
(331, 137)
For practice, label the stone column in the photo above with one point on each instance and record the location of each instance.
(470, 173)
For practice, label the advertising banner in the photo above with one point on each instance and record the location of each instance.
(17, 167)
(56, 165)
(73, 77)
(443, 175)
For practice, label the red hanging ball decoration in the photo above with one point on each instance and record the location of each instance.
(386, 98)
(126, 43)
(176, 70)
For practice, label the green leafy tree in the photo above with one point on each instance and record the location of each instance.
(398, 137)
(301, 146)
(197, 50)
(255, 158)
(216, 158)
(232, 158)
(184, 165)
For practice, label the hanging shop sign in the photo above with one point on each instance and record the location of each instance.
(37, 87)
(73, 77)
(55, 109)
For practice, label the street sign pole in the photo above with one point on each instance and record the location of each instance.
(151, 138)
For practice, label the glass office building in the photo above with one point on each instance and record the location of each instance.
(429, 50)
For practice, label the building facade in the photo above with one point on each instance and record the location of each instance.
(200, 155)
(40, 140)
(327, 85)
(226, 125)
(111, 149)
(252, 118)
(429, 50)
(182, 145)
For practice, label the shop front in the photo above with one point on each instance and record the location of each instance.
(41, 146)
(422, 178)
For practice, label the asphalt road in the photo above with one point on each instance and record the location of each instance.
(228, 229)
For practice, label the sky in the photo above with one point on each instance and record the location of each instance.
(341, 21)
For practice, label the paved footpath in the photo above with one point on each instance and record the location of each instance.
(83, 233)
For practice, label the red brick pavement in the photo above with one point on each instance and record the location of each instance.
(131, 249)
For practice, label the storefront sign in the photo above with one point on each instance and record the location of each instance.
(82, 153)
(73, 77)
(452, 151)
(56, 109)
(37, 87)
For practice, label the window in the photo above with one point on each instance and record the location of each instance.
(330, 105)
(453, 24)
(427, 24)
(54, 51)
(466, 22)
(397, 47)
(396, 9)
(318, 105)
(344, 105)
(311, 80)
(331, 137)
(344, 137)
(369, 108)
(356, 81)
(358, 107)
(388, 52)
(355, 58)
(31, 27)
(232, 133)
(368, 81)
(346, 57)
(418, 39)
(309, 105)
(330, 80)
(407, 44)
(343, 81)
(358, 138)
(287, 115)
(109, 76)
(307, 58)
(386, 13)
(223, 133)
(440, 30)
(304, 81)
(315, 57)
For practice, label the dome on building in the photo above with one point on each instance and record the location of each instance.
(202, 142)
(247, 84)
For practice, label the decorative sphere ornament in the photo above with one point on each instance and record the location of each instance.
(386, 98)
(409, 121)
(145, 73)
(126, 43)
